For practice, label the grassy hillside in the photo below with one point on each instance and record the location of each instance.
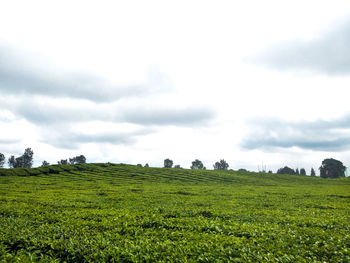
(123, 213)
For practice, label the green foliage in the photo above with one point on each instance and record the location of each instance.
(332, 168)
(77, 159)
(23, 161)
(222, 165)
(286, 170)
(63, 162)
(168, 163)
(302, 171)
(123, 213)
(197, 164)
(2, 160)
(45, 163)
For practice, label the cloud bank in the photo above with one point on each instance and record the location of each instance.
(327, 54)
(320, 135)
(56, 102)
(20, 74)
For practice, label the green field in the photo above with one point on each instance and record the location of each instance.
(124, 213)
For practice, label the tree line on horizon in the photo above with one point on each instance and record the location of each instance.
(330, 168)
(26, 160)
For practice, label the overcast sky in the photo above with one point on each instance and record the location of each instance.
(250, 82)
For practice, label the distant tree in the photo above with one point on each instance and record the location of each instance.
(332, 168)
(139, 165)
(285, 170)
(197, 164)
(12, 162)
(242, 170)
(168, 163)
(302, 171)
(2, 160)
(77, 159)
(297, 171)
(23, 161)
(146, 165)
(177, 166)
(45, 163)
(312, 172)
(28, 158)
(63, 161)
(270, 172)
(222, 165)
(80, 159)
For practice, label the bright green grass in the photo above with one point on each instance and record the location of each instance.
(121, 213)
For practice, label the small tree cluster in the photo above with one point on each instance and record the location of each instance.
(74, 160)
(168, 163)
(23, 161)
(2, 160)
(332, 168)
(45, 163)
(77, 159)
(198, 165)
(286, 170)
(222, 165)
(63, 162)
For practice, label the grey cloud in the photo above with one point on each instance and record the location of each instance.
(21, 74)
(54, 112)
(162, 116)
(320, 135)
(70, 140)
(48, 113)
(329, 54)
(9, 141)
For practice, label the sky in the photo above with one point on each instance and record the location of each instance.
(257, 83)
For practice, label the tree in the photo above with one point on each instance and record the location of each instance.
(28, 158)
(297, 171)
(77, 159)
(12, 161)
(285, 170)
(313, 172)
(222, 165)
(81, 159)
(146, 165)
(23, 161)
(2, 160)
(45, 163)
(168, 163)
(63, 161)
(177, 166)
(302, 171)
(332, 168)
(139, 165)
(197, 164)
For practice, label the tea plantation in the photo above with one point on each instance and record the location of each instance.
(124, 213)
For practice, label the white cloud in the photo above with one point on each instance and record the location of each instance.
(168, 77)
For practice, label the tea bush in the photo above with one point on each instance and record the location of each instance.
(123, 213)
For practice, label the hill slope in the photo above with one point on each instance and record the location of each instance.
(123, 213)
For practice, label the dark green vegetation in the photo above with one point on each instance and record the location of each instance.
(121, 213)
(23, 161)
(332, 168)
